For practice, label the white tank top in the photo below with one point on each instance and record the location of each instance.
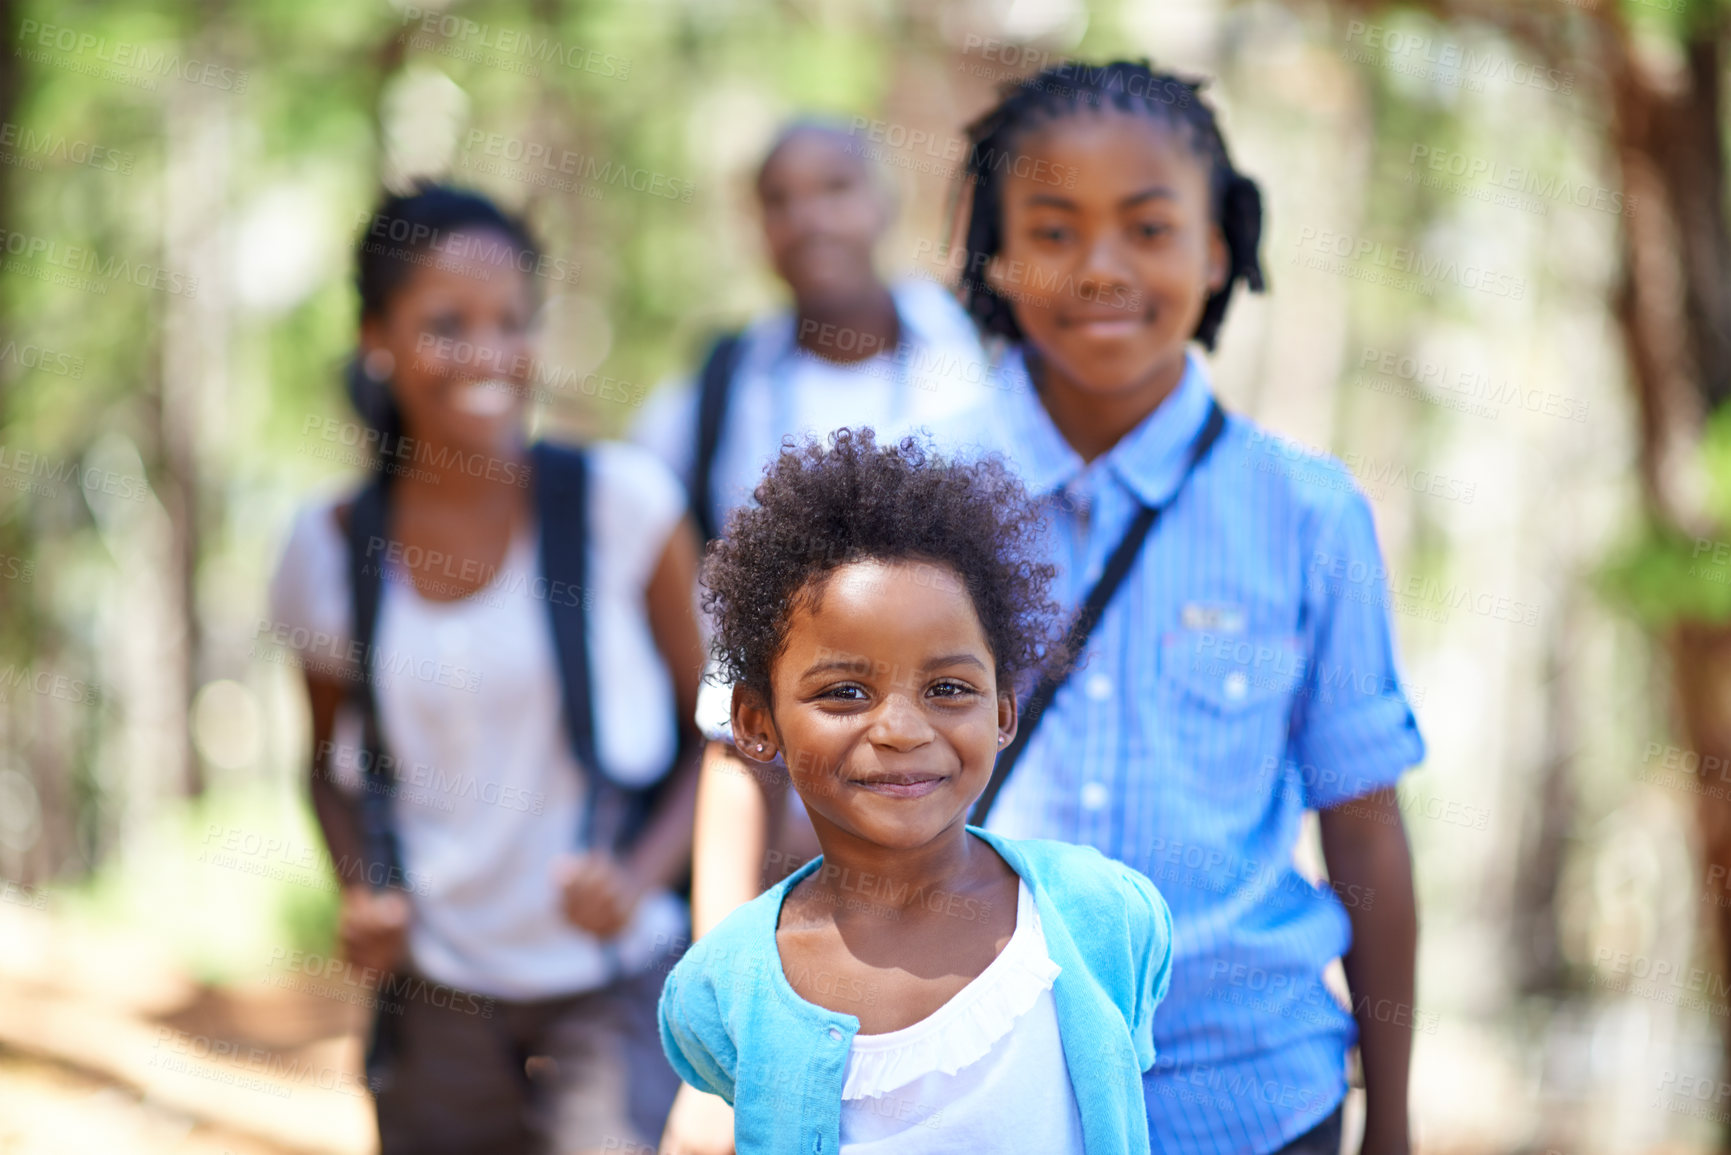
(984, 1072)
(488, 794)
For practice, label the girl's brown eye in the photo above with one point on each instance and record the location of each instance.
(843, 693)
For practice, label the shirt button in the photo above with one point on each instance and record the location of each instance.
(1094, 795)
(1237, 685)
(1098, 687)
(835, 1034)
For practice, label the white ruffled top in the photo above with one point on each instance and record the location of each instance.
(987, 1068)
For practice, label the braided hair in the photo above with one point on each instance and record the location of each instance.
(1235, 202)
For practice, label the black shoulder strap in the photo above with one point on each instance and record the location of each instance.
(713, 386)
(1088, 616)
(562, 505)
(368, 537)
(562, 508)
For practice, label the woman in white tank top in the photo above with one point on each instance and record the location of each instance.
(504, 938)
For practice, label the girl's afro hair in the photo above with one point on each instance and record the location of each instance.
(821, 508)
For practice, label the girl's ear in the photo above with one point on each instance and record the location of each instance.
(753, 729)
(1007, 719)
(1219, 259)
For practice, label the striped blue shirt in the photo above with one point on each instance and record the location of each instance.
(1243, 674)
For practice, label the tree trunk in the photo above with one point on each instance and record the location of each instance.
(1674, 307)
(1701, 664)
(1674, 310)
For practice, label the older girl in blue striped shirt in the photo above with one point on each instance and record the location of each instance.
(1243, 672)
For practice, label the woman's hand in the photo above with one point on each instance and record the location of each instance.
(374, 928)
(598, 894)
(699, 1124)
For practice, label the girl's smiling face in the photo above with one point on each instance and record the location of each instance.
(886, 706)
(459, 331)
(1107, 272)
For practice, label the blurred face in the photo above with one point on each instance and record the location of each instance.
(1107, 274)
(822, 216)
(886, 708)
(459, 334)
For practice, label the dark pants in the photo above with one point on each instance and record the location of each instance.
(556, 1076)
(1322, 1139)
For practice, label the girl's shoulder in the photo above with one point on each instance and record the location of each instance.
(1067, 865)
(319, 521)
(1304, 475)
(1083, 883)
(720, 1006)
(315, 550)
(735, 956)
(309, 590)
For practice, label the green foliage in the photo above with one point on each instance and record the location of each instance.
(1663, 576)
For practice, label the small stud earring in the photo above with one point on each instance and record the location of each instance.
(1002, 739)
(378, 365)
(760, 747)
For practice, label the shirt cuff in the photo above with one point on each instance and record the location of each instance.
(1355, 754)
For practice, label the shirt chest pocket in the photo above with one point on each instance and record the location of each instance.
(1228, 700)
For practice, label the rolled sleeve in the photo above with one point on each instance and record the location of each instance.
(1353, 730)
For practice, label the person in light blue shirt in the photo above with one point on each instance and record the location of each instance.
(852, 349)
(924, 986)
(1242, 673)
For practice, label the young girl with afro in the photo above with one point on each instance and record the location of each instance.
(922, 986)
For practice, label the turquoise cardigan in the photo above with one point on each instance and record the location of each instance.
(733, 1026)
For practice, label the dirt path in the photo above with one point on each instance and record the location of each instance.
(50, 1109)
(100, 1029)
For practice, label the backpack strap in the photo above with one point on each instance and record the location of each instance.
(367, 538)
(561, 480)
(713, 386)
(562, 508)
(381, 852)
(613, 814)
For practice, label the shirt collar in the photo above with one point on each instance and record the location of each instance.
(1149, 460)
(773, 339)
